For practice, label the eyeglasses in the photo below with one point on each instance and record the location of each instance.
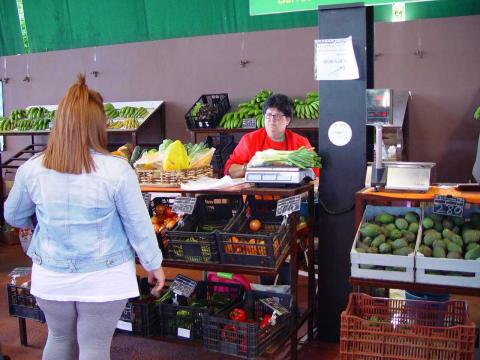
(276, 117)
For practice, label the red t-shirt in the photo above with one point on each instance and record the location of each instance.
(258, 140)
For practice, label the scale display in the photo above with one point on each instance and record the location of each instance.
(379, 106)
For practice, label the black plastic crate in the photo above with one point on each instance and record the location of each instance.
(241, 246)
(218, 105)
(23, 304)
(184, 321)
(247, 339)
(141, 315)
(224, 146)
(194, 239)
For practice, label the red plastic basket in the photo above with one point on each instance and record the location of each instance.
(378, 328)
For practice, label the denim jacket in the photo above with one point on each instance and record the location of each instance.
(85, 222)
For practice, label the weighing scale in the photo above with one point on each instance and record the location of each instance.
(391, 175)
(278, 176)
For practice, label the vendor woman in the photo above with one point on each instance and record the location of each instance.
(278, 111)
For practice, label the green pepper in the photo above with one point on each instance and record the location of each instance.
(183, 313)
(201, 303)
(220, 299)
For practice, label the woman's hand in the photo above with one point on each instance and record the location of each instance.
(156, 277)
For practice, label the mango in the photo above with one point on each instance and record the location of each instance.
(401, 223)
(410, 236)
(379, 239)
(390, 227)
(473, 254)
(452, 247)
(454, 255)
(439, 252)
(438, 226)
(447, 224)
(411, 217)
(457, 239)
(471, 246)
(436, 217)
(395, 234)
(385, 248)
(413, 227)
(371, 230)
(427, 223)
(384, 218)
(439, 243)
(447, 233)
(403, 251)
(399, 243)
(458, 221)
(425, 250)
(471, 236)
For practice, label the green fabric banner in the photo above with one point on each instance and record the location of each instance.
(10, 33)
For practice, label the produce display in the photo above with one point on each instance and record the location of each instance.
(31, 119)
(383, 234)
(125, 117)
(303, 109)
(451, 237)
(307, 109)
(249, 109)
(174, 155)
(250, 246)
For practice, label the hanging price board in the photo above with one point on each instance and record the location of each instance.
(184, 205)
(249, 123)
(275, 306)
(147, 197)
(448, 205)
(183, 285)
(288, 205)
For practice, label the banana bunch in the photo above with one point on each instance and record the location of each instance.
(36, 112)
(41, 124)
(110, 111)
(7, 124)
(131, 123)
(249, 109)
(117, 124)
(18, 114)
(307, 109)
(51, 114)
(24, 124)
(141, 112)
(127, 111)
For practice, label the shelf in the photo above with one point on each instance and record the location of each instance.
(153, 107)
(238, 269)
(425, 288)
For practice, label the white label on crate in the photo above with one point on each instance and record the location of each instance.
(288, 205)
(123, 325)
(185, 333)
(184, 205)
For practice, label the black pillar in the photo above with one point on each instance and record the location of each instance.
(343, 167)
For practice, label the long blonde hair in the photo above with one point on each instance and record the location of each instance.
(80, 125)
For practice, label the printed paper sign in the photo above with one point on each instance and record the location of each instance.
(335, 59)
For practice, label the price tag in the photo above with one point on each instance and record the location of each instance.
(249, 123)
(184, 205)
(185, 333)
(183, 285)
(147, 197)
(448, 205)
(288, 205)
(123, 325)
(275, 306)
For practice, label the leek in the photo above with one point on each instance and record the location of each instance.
(302, 158)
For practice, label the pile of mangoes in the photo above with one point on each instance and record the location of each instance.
(451, 237)
(389, 234)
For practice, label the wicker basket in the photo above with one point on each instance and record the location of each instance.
(175, 177)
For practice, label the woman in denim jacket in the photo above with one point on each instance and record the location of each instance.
(91, 219)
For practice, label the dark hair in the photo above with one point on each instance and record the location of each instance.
(281, 102)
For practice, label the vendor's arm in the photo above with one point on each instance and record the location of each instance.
(243, 152)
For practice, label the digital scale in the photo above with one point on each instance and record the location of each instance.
(391, 175)
(278, 176)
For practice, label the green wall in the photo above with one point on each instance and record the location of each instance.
(67, 24)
